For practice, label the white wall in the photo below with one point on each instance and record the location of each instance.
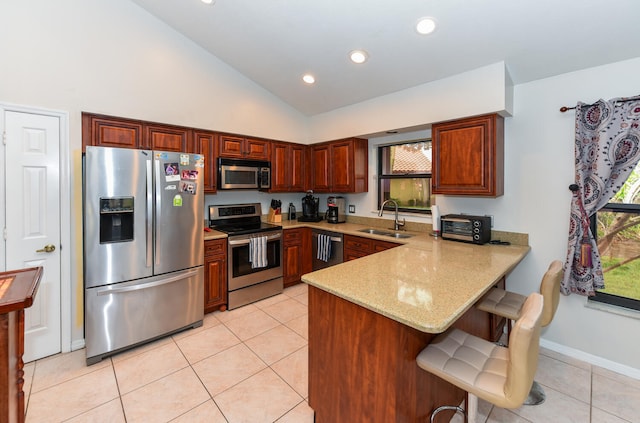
(112, 57)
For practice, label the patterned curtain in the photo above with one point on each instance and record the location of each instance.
(607, 147)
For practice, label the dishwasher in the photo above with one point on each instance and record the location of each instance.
(336, 249)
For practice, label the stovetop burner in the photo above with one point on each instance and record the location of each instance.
(239, 219)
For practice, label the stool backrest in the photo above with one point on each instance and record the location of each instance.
(550, 290)
(524, 346)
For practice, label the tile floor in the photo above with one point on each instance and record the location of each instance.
(250, 365)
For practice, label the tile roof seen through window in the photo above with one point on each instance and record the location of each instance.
(410, 160)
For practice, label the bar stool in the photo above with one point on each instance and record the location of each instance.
(497, 374)
(509, 304)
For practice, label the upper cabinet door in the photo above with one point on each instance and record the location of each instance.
(256, 149)
(297, 168)
(168, 138)
(468, 156)
(320, 160)
(231, 146)
(287, 167)
(207, 144)
(107, 131)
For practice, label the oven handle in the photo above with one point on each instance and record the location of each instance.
(245, 241)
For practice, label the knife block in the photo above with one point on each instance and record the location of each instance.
(272, 217)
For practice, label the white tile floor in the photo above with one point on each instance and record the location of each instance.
(250, 365)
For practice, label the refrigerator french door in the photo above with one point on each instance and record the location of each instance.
(143, 246)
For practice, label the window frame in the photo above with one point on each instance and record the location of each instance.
(603, 297)
(382, 176)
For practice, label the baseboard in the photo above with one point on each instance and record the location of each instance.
(591, 359)
(78, 344)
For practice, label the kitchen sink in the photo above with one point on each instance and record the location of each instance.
(399, 235)
(385, 233)
(375, 231)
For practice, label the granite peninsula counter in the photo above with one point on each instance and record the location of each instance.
(369, 318)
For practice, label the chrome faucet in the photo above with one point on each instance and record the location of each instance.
(396, 223)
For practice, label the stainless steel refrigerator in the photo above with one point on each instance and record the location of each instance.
(143, 246)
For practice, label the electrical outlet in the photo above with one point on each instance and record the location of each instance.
(352, 208)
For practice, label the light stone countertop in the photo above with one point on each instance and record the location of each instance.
(426, 283)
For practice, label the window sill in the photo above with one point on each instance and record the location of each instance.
(610, 308)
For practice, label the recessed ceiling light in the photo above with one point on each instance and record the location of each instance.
(208, 1)
(358, 56)
(308, 78)
(426, 26)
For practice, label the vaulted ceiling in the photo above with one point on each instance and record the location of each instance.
(275, 42)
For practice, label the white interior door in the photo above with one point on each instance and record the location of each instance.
(32, 228)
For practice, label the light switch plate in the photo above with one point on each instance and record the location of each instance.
(352, 208)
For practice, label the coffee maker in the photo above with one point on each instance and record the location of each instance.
(310, 208)
(336, 210)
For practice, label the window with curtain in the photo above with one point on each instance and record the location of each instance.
(617, 230)
(404, 175)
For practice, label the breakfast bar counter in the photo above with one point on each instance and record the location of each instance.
(369, 318)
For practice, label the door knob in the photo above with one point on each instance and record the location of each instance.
(47, 249)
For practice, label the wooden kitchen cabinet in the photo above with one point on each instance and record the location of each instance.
(468, 156)
(297, 258)
(340, 166)
(287, 167)
(109, 131)
(215, 275)
(206, 143)
(357, 246)
(243, 148)
(167, 138)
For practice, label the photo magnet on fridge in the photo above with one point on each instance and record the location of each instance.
(184, 160)
(190, 174)
(171, 171)
(188, 187)
(177, 200)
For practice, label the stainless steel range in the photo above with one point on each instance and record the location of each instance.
(254, 252)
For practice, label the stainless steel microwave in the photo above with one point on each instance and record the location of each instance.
(243, 174)
(466, 228)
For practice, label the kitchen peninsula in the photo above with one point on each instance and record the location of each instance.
(369, 318)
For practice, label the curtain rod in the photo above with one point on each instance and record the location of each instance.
(623, 100)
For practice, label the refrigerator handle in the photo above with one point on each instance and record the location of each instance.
(158, 197)
(149, 213)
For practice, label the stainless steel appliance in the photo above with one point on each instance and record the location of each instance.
(466, 228)
(243, 174)
(335, 248)
(143, 246)
(310, 208)
(254, 252)
(336, 210)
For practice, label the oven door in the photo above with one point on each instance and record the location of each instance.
(241, 271)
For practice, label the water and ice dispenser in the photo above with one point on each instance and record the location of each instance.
(116, 220)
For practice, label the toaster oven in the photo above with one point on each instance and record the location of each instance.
(466, 228)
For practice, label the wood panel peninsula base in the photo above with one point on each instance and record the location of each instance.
(362, 365)
(369, 318)
(17, 292)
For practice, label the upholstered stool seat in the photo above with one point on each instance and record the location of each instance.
(499, 375)
(502, 303)
(509, 304)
